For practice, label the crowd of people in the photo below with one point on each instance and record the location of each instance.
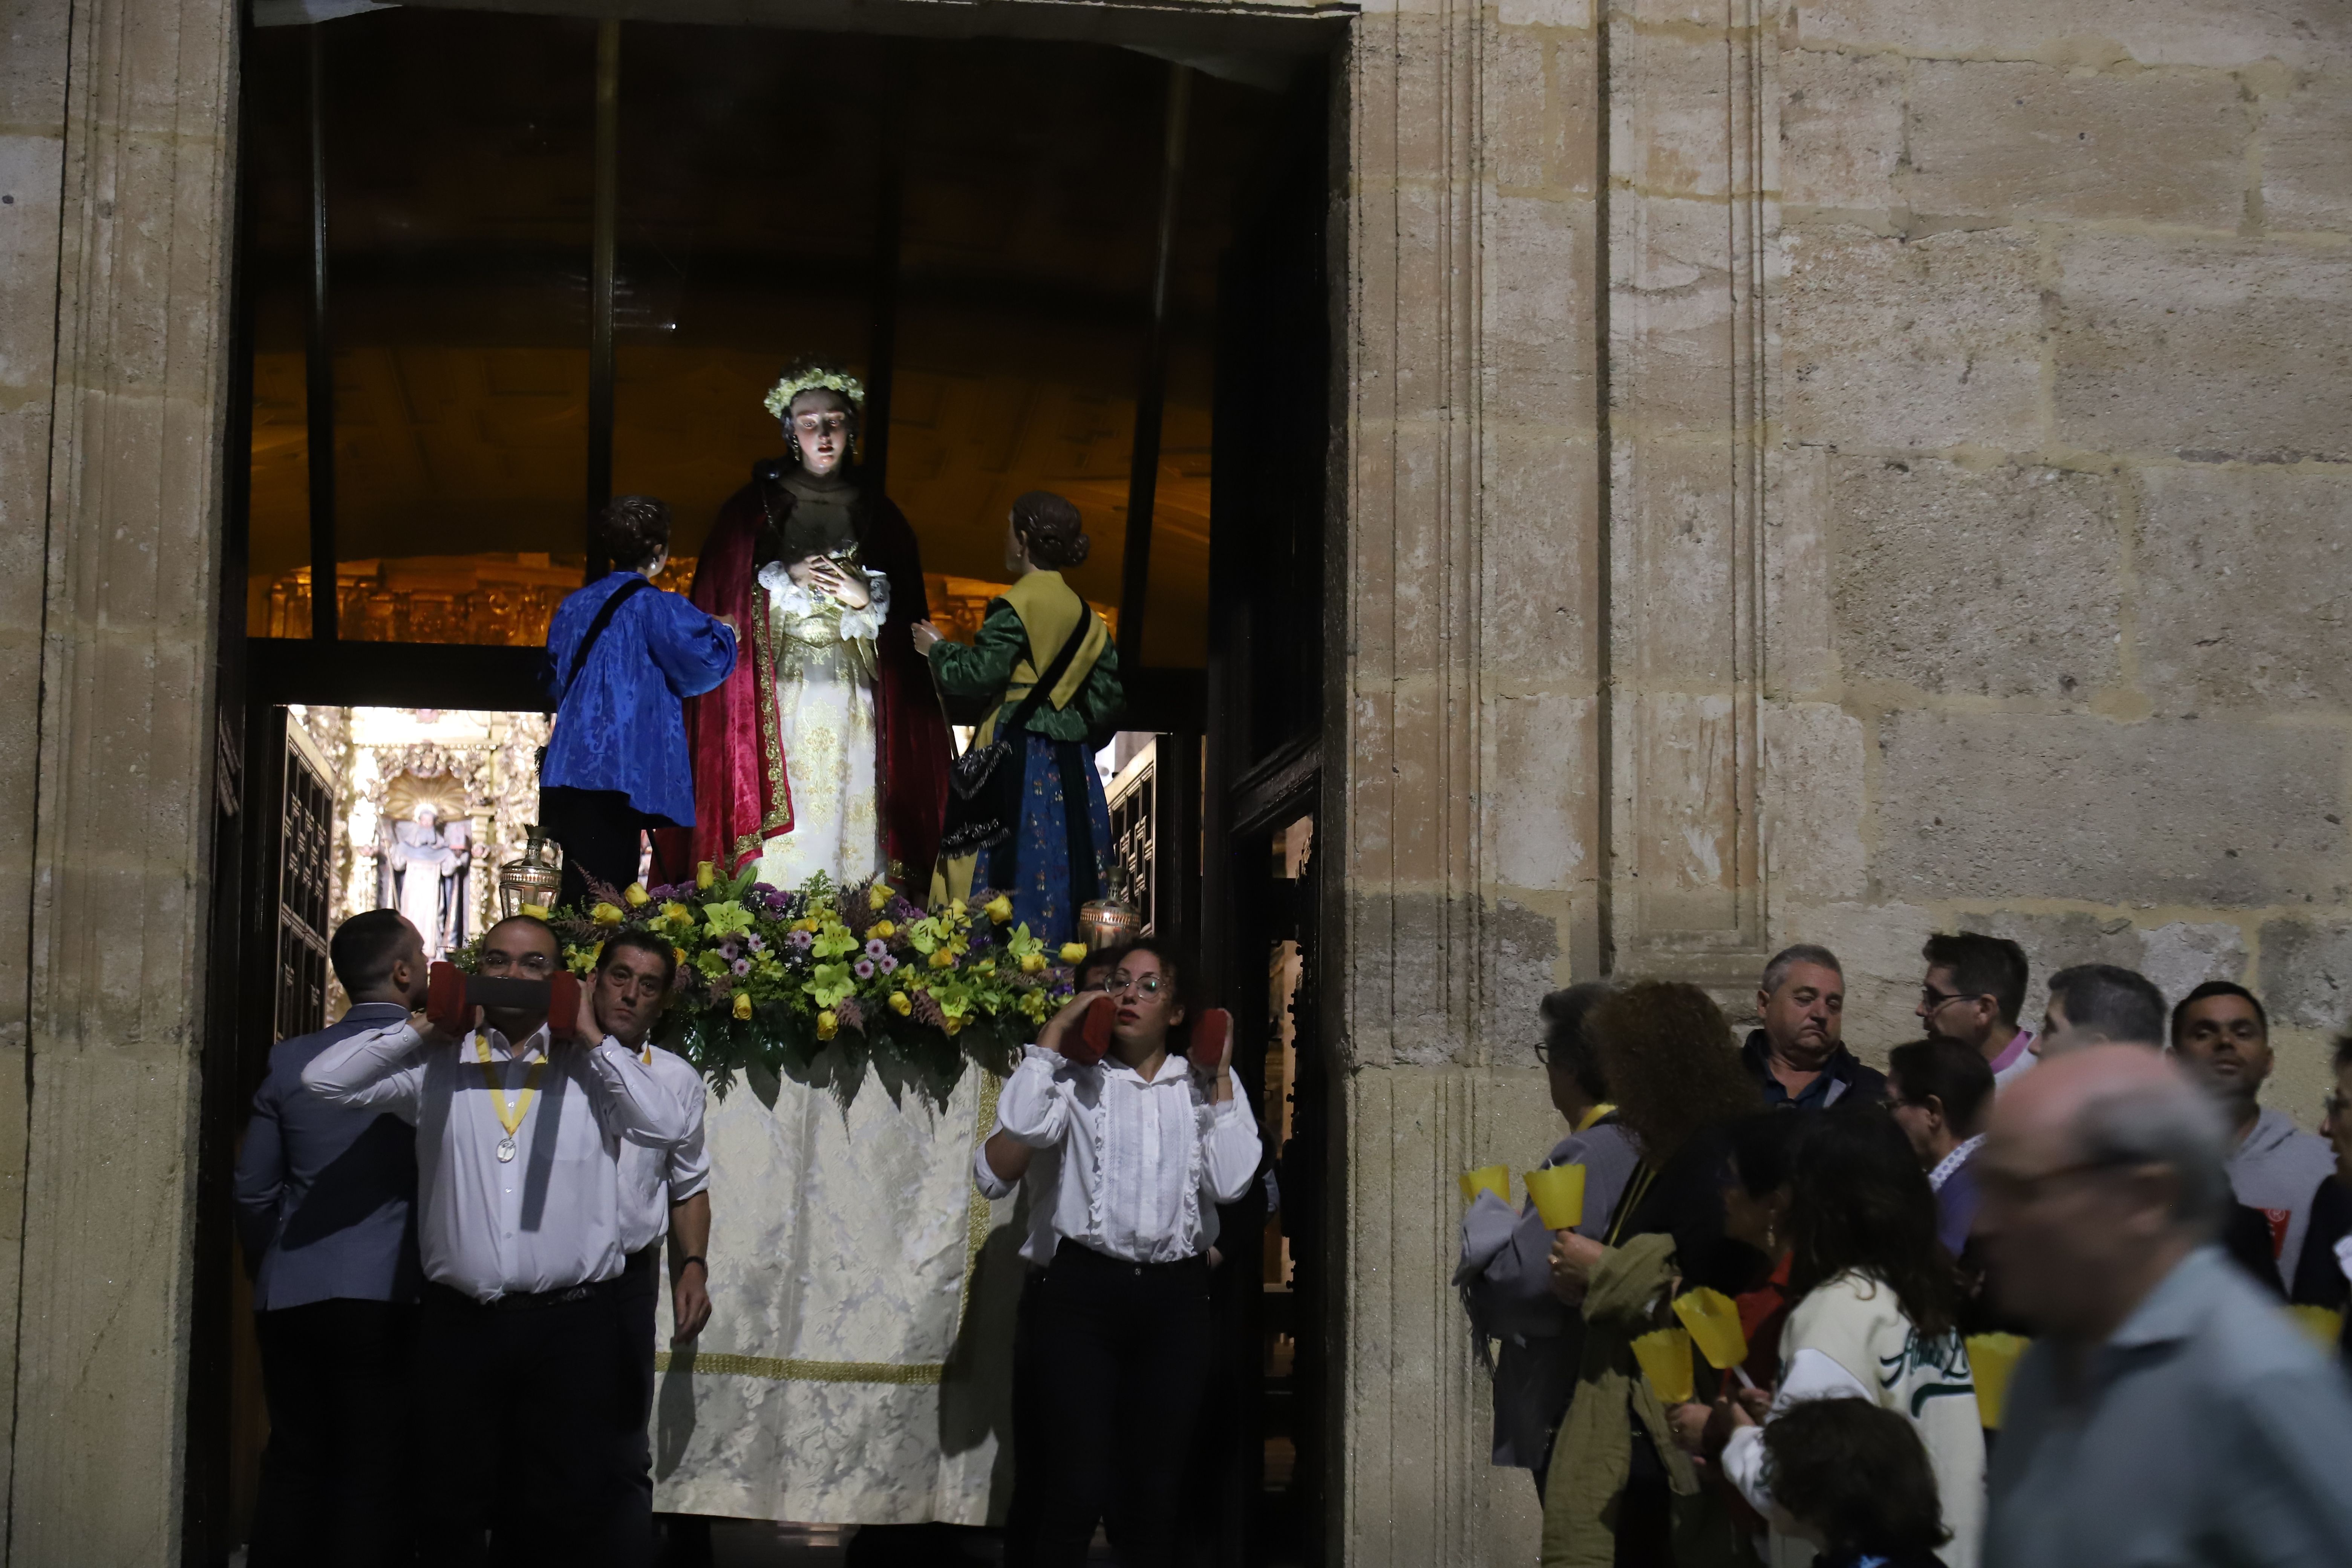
(2107, 1189)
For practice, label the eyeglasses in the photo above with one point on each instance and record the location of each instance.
(2335, 1105)
(534, 963)
(1145, 986)
(1935, 1000)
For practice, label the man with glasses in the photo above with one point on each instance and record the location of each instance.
(529, 1388)
(1974, 990)
(2167, 1412)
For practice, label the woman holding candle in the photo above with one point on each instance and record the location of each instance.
(1527, 1337)
(1878, 1318)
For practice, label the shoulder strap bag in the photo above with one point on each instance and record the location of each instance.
(984, 784)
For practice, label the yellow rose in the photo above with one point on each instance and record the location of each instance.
(704, 875)
(878, 896)
(743, 1003)
(1031, 963)
(882, 929)
(806, 925)
(953, 1026)
(680, 954)
(1074, 952)
(636, 895)
(605, 914)
(677, 911)
(536, 911)
(900, 1003)
(1000, 909)
(943, 959)
(827, 1026)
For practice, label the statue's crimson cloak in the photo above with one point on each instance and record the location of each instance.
(743, 780)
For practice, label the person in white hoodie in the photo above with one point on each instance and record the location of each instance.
(2221, 1034)
(1876, 1319)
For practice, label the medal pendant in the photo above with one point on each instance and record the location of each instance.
(505, 1150)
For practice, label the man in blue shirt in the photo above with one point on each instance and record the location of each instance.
(1798, 1058)
(326, 1204)
(623, 656)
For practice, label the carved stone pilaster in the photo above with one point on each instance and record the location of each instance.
(1692, 211)
(127, 549)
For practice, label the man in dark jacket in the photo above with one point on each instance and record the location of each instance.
(1797, 1058)
(326, 1212)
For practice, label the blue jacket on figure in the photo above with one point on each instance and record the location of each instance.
(621, 723)
(326, 1198)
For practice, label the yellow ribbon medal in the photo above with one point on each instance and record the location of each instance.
(510, 1112)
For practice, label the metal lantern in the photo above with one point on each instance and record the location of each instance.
(1106, 922)
(535, 879)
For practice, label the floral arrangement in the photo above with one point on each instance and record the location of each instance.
(821, 984)
(779, 397)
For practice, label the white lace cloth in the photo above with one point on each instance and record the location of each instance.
(1136, 1154)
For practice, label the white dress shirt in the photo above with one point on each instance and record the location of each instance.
(656, 1175)
(1041, 1182)
(1138, 1155)
(550, 1218)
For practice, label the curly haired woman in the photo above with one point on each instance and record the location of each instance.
(1620, 1491)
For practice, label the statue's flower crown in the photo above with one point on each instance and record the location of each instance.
(779, 397)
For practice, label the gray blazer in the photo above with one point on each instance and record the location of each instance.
(326, 1198)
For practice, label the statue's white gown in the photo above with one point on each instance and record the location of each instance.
(857, 1368)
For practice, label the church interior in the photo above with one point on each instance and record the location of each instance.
(494, 268)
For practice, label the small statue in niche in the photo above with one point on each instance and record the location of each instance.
(426, 871)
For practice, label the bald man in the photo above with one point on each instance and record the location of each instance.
(2167, 1412)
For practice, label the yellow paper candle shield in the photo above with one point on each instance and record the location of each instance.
(1993, 1357)
(1558, 1192)
(1665, 1358)
(2321, 1323)
(1494, 1179)
(1713, 1319)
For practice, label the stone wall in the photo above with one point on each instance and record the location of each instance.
(2067, 360)
(1814, 471)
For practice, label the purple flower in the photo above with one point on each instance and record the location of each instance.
(979, 939)
(742, 966)
(885, 963)
(863, 969)
(729, 951)
(876, 947)
(801, 940)
(756, 942)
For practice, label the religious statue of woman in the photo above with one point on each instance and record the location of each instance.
(840, 1280)
(1058, 855)
(827, 750)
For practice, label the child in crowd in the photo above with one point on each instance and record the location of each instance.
(1855, 1481)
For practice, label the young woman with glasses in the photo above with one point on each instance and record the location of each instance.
(1148, 1147)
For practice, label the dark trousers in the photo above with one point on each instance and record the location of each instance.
(599, 831)
(336, 1478)
(1031, 1450)
(535, 1420)
(1125, 1352)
